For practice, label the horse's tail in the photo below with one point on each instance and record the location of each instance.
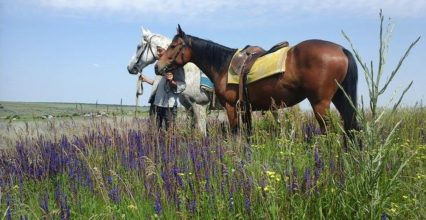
(349, 85)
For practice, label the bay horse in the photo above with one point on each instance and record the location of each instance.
(313, 70)
(193, 98)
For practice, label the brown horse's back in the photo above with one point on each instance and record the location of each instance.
(312, 67)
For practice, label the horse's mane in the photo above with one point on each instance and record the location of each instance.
(217, 55)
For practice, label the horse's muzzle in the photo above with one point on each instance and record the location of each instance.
(160, 72)
(133, 70)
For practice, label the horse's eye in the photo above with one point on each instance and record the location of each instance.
(172, 46)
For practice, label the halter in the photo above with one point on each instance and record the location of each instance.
(174, 62)
(139, 85)
(149, 47)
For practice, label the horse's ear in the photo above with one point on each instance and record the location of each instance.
(180, 31)
(145, 32)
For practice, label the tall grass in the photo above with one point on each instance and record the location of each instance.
(113, 171)
(124, 169)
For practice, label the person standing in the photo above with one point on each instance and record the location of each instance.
(166, 93)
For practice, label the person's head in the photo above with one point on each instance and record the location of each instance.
(160, 51)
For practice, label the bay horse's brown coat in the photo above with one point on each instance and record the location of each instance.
(313, 69)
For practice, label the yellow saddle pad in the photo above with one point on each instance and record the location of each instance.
(267, 65)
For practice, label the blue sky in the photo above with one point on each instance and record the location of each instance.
(77, 50)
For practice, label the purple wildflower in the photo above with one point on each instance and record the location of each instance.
(157, 205)
(114, 194)
(64, 143)
(318, 164)
(309, 131)
(109, 180)
(167, 182)
(308, 183)
(192, 206)
(179, 179)
(22, 156)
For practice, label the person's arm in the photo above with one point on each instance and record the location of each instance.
(147, 80)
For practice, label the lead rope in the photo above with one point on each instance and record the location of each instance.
(139, 91)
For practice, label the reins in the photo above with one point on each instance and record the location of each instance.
(139, 83)
(174, 62)
(139, 91)
(149, 47)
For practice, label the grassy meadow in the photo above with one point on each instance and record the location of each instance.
(119, 167)
(24, 111)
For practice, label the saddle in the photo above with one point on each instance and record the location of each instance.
(241, 64)
(245, 58)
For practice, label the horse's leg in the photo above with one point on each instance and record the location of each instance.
(200, 117)
(189, 106)
(320, 110)
(247, 121)
(348, 114)
(231, 111)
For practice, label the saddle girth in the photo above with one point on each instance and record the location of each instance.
(241, 65)
(243, 61)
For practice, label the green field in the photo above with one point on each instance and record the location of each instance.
(118, 167)
(40, 110)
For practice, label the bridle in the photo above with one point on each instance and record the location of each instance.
(181, 52)
(139, 85)
(149, 47)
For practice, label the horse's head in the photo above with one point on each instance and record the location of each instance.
(177, 54)
(147, 51)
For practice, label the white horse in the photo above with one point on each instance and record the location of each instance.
(193, 98)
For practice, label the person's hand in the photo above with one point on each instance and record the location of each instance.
(144, 79)
(169, 76)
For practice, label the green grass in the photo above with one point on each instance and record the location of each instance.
(350, 184)
(122, 168)
(39, 110)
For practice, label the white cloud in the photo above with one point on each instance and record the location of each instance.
(394, 8)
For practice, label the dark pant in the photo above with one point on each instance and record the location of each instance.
(152, 110)
(166, 115)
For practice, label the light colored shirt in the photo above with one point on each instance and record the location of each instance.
(154, 87)
(165, 95)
